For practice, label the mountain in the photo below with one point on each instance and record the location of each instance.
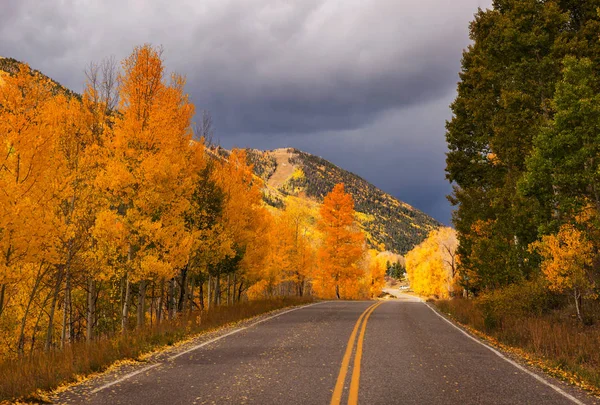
(389, 223)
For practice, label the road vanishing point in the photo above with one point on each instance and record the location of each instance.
(397, 351)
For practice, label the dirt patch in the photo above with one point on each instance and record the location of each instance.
(284, 170)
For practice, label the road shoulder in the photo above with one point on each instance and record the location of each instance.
(124, 369)
(518, 359)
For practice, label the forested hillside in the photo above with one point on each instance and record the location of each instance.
(390, 224)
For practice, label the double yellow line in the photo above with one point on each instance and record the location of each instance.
(336, 399)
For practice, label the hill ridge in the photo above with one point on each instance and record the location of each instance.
(390, 224)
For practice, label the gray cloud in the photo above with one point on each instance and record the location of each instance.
(340, 78)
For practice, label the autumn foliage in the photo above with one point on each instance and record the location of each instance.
(431, 265)
(342, 247)
(115, 217)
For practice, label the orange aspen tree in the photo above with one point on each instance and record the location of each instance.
(342, 245)
(26, 171)
(245, 219)
(150, 172)
(74, 192)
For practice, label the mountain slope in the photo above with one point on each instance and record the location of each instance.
(388, 222)
(10, 66)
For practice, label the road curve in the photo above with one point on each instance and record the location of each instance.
(404, 354)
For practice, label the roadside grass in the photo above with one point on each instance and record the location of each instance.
(552, 340)
(30, 377)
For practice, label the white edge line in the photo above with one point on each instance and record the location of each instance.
(125, 377)
(191, 349)
(517, 365)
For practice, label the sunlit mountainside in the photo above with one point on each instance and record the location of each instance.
(390, 224)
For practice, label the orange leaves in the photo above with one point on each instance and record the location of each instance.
(27, 148)
(245, 220)
(150, 166)
(342, 245)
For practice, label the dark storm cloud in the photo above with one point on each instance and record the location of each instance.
(339, 78)
(397, 153)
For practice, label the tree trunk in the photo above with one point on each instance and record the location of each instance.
(141, 310)
(209, 287)
(182, 290)
(2, 292)
(233, 290)
(91, 309)
(37, 324)
(125, 315)
(577, 296)
(337, 291)
(200, 286)
(218, 289)
(160, 302)
(191, 297)
(239, 298)
(21, 341)
(171, 296)
(152, 303)
(50, 330)
(228, 289)
(67, 319)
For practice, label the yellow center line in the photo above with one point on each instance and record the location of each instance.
(339, 385)
(353, 396)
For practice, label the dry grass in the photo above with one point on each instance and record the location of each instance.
(25, 377)
(553, 340)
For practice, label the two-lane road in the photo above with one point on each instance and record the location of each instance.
(390, 352)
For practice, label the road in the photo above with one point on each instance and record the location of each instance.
(402, 353)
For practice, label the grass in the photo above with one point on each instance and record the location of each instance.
(28, 378)
(553, 340)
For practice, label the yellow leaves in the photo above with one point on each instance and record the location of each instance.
(151, 264)
(430, 265)
(298, 174)
(566, 256)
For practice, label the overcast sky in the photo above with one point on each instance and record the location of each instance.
(365, 84)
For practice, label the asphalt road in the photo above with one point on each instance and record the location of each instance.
(321, 354)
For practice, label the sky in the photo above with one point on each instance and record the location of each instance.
(366, 84)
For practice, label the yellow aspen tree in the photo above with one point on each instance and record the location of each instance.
(431, 266)
(568, 257)
(374, 274)
(300, 223)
